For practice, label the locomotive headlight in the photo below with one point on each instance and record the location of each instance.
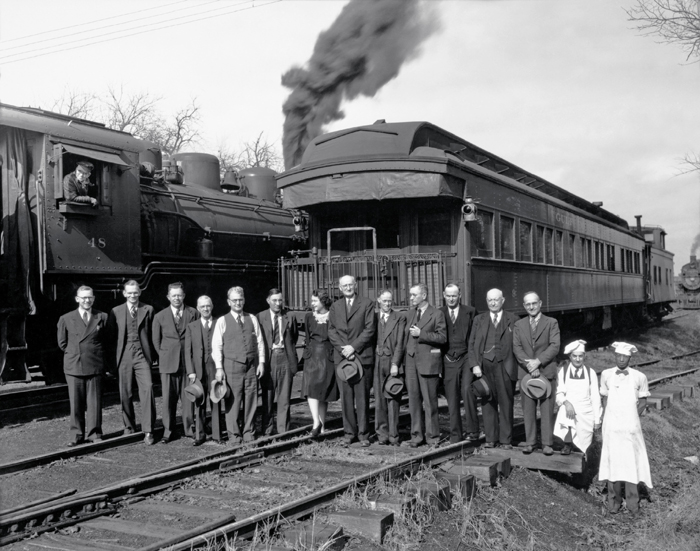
(299, 222)
(469, 210)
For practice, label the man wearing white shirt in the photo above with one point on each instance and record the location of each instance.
(238, 350)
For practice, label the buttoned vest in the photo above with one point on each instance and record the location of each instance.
(240, 345)
(383, 349)
(132, 327)
(492, 346)
(457, 341)
(206, 343)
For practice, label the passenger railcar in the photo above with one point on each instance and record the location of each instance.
(395, 204)
(155, 224)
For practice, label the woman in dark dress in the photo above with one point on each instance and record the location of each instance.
(318, 383)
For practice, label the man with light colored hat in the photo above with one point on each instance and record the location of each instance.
(536, 344)
(238, 350)
(351, 328)
(578, 400)
(200, 367)
(389, 352)
(624, 454)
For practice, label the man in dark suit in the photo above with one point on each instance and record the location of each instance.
(491, 356)
(280, 334)
(536, 345)
(457, 374)
(130, 332)
(389, 351)
(426, 332)
(200, 366)
(81, 337)
(351, 328)
(238, 350)
(169, 327)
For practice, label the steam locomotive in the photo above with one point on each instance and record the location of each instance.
(401, 203)
(688, 290)
(155, 221)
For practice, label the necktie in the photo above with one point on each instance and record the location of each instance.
(86, 319)
(208, 324)
(239, 319)
(494, 318)
(349, 305)
(132, 311)
(578, 374)
(178, 317)
(452, 315)
(533, 324)
(275, 329)
(621, 372)
(384, 318)
(420, 313)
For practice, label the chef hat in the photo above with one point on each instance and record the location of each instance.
(576, 346)
(624, 348)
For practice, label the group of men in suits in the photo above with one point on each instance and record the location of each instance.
(196, 352)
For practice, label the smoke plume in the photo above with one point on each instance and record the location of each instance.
(695, 246)
(363, 49)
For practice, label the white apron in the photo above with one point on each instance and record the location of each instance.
(578, 392)
(624, 454)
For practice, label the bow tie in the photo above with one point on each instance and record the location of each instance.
(621, 372)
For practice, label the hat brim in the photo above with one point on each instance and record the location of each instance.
(528, 391)
(356, 365)
(215, 394)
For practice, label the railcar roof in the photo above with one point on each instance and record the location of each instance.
(394, 141)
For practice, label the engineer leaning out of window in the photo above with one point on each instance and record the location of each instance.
(76, 184)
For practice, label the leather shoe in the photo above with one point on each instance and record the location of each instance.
(528, 449)
(473, 436)
(490, 445)
(566, 450)
(365, 443)
(148, 439)
(415, 444)
(76, 442)
(95, 439)
(315, 431)
(547, 450)
(396, 443)
(199, 442)
(382, 442)
(166, 439)
(506, 446)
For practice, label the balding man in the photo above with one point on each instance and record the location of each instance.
(426, 332)
(351, 329)
(457, 374)
(491, 356)
(536, 344)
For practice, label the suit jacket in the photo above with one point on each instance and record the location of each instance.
(393, 342)
(433, 334)
(543, 345)
(168, 341)
(356, 328)
(462, 325)
(290, 334)
(194, 348)
(82, 345)
(504, 335)
(116, 324)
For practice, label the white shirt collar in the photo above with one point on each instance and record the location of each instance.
(176, 310)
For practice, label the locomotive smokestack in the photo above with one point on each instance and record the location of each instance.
(363, 49)
(693, 259)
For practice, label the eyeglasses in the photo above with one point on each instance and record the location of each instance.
(86, 298)
(236, 300)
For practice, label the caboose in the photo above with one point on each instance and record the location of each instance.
(401, 203)
(155, 222)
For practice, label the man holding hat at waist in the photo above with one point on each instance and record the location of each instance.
(388, 359)
(238, 351)
(201, 367)
(578, 400)
(536, 345)
(624, 454)
(75, 184)
(351, 328)
(491, 356)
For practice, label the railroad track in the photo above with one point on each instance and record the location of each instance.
(185, 489)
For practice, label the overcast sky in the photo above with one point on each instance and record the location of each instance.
(566, 89)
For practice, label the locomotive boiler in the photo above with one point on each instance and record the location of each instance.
(154, 222)
(688, 290)
(395, 204)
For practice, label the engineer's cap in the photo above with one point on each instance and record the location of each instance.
(576, 346)
(624, 348)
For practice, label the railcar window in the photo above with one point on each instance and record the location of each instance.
(435, 229)
(525, 241)
(559, 248)
(539, 244)
(582, 259)
(572, 250)
(622, 259)
(610, 250)
(589, 254)
(507, 235)
(482, 235)
(549, 245)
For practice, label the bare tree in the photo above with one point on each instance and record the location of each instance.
(691, 163)
(256, 153)
(675, 21)
(129, 112)
(172, 135)
(75, 104)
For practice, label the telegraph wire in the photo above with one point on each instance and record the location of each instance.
(119, 31)
(133, 34)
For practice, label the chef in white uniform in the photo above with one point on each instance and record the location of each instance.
(624, 454)
(578, 400)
